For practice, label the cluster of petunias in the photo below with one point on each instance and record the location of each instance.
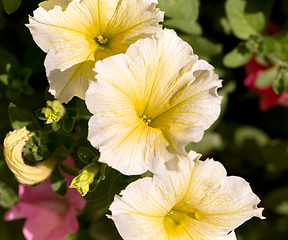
(150, 96)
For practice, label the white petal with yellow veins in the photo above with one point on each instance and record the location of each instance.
(13, 145)
(150, 103)
(199, 202)
(75, 34)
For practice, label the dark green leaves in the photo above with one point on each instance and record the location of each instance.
(86, 155)
(16, 80)
(11, 6)
(22, 118)
(56, 139)
(58, 182)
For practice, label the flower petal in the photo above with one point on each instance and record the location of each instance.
(199, 202)
(149, 103)
(13, 145)
(67, 30)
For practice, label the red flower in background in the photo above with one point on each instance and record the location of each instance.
(268, 98)
(48, 215)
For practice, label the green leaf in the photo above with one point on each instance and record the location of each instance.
(189, 27)
(72, 112)
(54, 140)
(13, 93)
(202, 46)
(11, 6)
(271, 45)
(4, 78)
(25, 74)
(245, 133)
(181, 9)
(61, 153)
(116, 188)
(278, 84)
(282, 39)
(28, 90)
(68, 124)
(266, 78)
(237, 57)
(86, 155)
(20, 118)
(7, 57)
(56, 125)
(58, 182)
(7, 196)
(37, 156)
(243, 23)
(72, 171)
(104, 187)
(40, 115)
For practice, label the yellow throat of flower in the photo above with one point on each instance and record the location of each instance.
(102, 42)
(176, 222)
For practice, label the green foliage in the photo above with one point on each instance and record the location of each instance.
(202, 46)
(267, 77)
(20, 118)
(58, 182)
(57, 139)
(7, 196)
(11, 6)
(189, 27)
(237, 57)
(86, 155)
(186, 10)
(243, 20)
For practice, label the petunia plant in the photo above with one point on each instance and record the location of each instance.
(122, 98)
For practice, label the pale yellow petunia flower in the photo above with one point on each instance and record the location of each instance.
(13, 145)
(199, 202)
(75, 34)
(149, 103)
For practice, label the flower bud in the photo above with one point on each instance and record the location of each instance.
(86, 176)
(53, 112)
(13, 145)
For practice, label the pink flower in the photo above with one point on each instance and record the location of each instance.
(49, 216)
(268, 98)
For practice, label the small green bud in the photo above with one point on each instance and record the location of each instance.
(86, 176)
(53, 112)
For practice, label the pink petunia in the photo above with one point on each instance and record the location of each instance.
(48, 215)
(268, 98)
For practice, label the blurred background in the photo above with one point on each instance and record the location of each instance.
(246, 42)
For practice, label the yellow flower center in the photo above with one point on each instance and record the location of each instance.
(145, 120)
(176, 222)
(101, 40)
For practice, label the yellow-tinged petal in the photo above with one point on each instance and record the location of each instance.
(13, 144)
(75, 34)
(199, 202)
(149, 103)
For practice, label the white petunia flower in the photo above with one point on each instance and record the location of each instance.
(75, 34)
(149, 103)
(199, 202)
